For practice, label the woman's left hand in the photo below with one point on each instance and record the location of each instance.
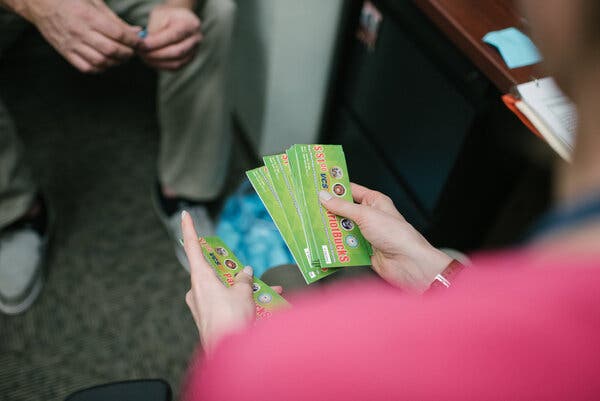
(217, 310)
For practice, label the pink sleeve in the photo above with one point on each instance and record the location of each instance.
(502, 333)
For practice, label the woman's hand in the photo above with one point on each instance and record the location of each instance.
(217, 310)
(401, 255)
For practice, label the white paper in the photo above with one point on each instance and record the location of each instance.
(555, 143)
(555, 110)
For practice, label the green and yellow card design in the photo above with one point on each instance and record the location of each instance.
(289, 185)
(264, 187)
(226, 265)
(338, 240)
(275, 191)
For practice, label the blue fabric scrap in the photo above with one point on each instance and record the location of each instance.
(247, 228)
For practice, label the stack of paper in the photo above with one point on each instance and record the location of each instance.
(289, 185)
(550, 112)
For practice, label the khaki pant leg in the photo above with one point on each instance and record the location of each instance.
(17, 188)
(193, 111)
(134, 12)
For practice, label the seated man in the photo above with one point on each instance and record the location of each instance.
(187, 41)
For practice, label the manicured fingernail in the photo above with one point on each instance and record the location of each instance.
(248, 270)
(325, 196)
(183, 214)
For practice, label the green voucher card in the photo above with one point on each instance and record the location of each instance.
(294, 158)
(289, 185)
(264, 187)
(227, 265)
(338, 240)
(279, 173)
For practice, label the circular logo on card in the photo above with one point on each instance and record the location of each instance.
(336, 172)
(221, 251)
(264, 298)
(339, 189)
(351, 241)
(255, 287)
(347, 224)
(231, 264)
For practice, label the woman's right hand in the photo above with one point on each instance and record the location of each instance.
(401, 255)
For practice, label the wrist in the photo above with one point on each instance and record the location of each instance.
(446, 278)
(433, 263)
(414, 272)
(212, 333)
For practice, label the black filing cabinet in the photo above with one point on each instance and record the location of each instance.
(417, 121)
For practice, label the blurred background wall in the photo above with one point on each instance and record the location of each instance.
(282, 56)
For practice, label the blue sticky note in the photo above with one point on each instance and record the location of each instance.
(514, 46)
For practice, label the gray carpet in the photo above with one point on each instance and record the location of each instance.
(113, 306)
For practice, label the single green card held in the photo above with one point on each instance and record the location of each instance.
(226, 265)
(296, 171)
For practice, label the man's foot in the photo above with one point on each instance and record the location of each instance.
(169, 211)
(23, 248)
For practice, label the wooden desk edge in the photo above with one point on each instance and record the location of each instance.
(486, 59)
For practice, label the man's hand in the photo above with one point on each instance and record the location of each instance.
(401, 255)
(217, 310)
(85, 32)
(173, 37)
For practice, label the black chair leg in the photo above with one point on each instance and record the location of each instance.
(132, 390)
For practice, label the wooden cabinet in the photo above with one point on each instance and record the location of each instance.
(421, 123)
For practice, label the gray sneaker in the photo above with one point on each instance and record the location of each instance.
(199, 213)
(23, 247)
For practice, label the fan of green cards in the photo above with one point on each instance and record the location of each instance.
(289, 185)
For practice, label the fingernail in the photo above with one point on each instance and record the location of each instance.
(325, 196)
(248, 270)
(183, 214)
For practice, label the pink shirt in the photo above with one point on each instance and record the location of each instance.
(513, 328)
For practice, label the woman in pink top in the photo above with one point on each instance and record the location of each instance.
(527, 326)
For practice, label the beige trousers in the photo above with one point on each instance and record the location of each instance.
(195, 137)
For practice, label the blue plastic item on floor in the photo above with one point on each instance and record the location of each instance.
(245, 225)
